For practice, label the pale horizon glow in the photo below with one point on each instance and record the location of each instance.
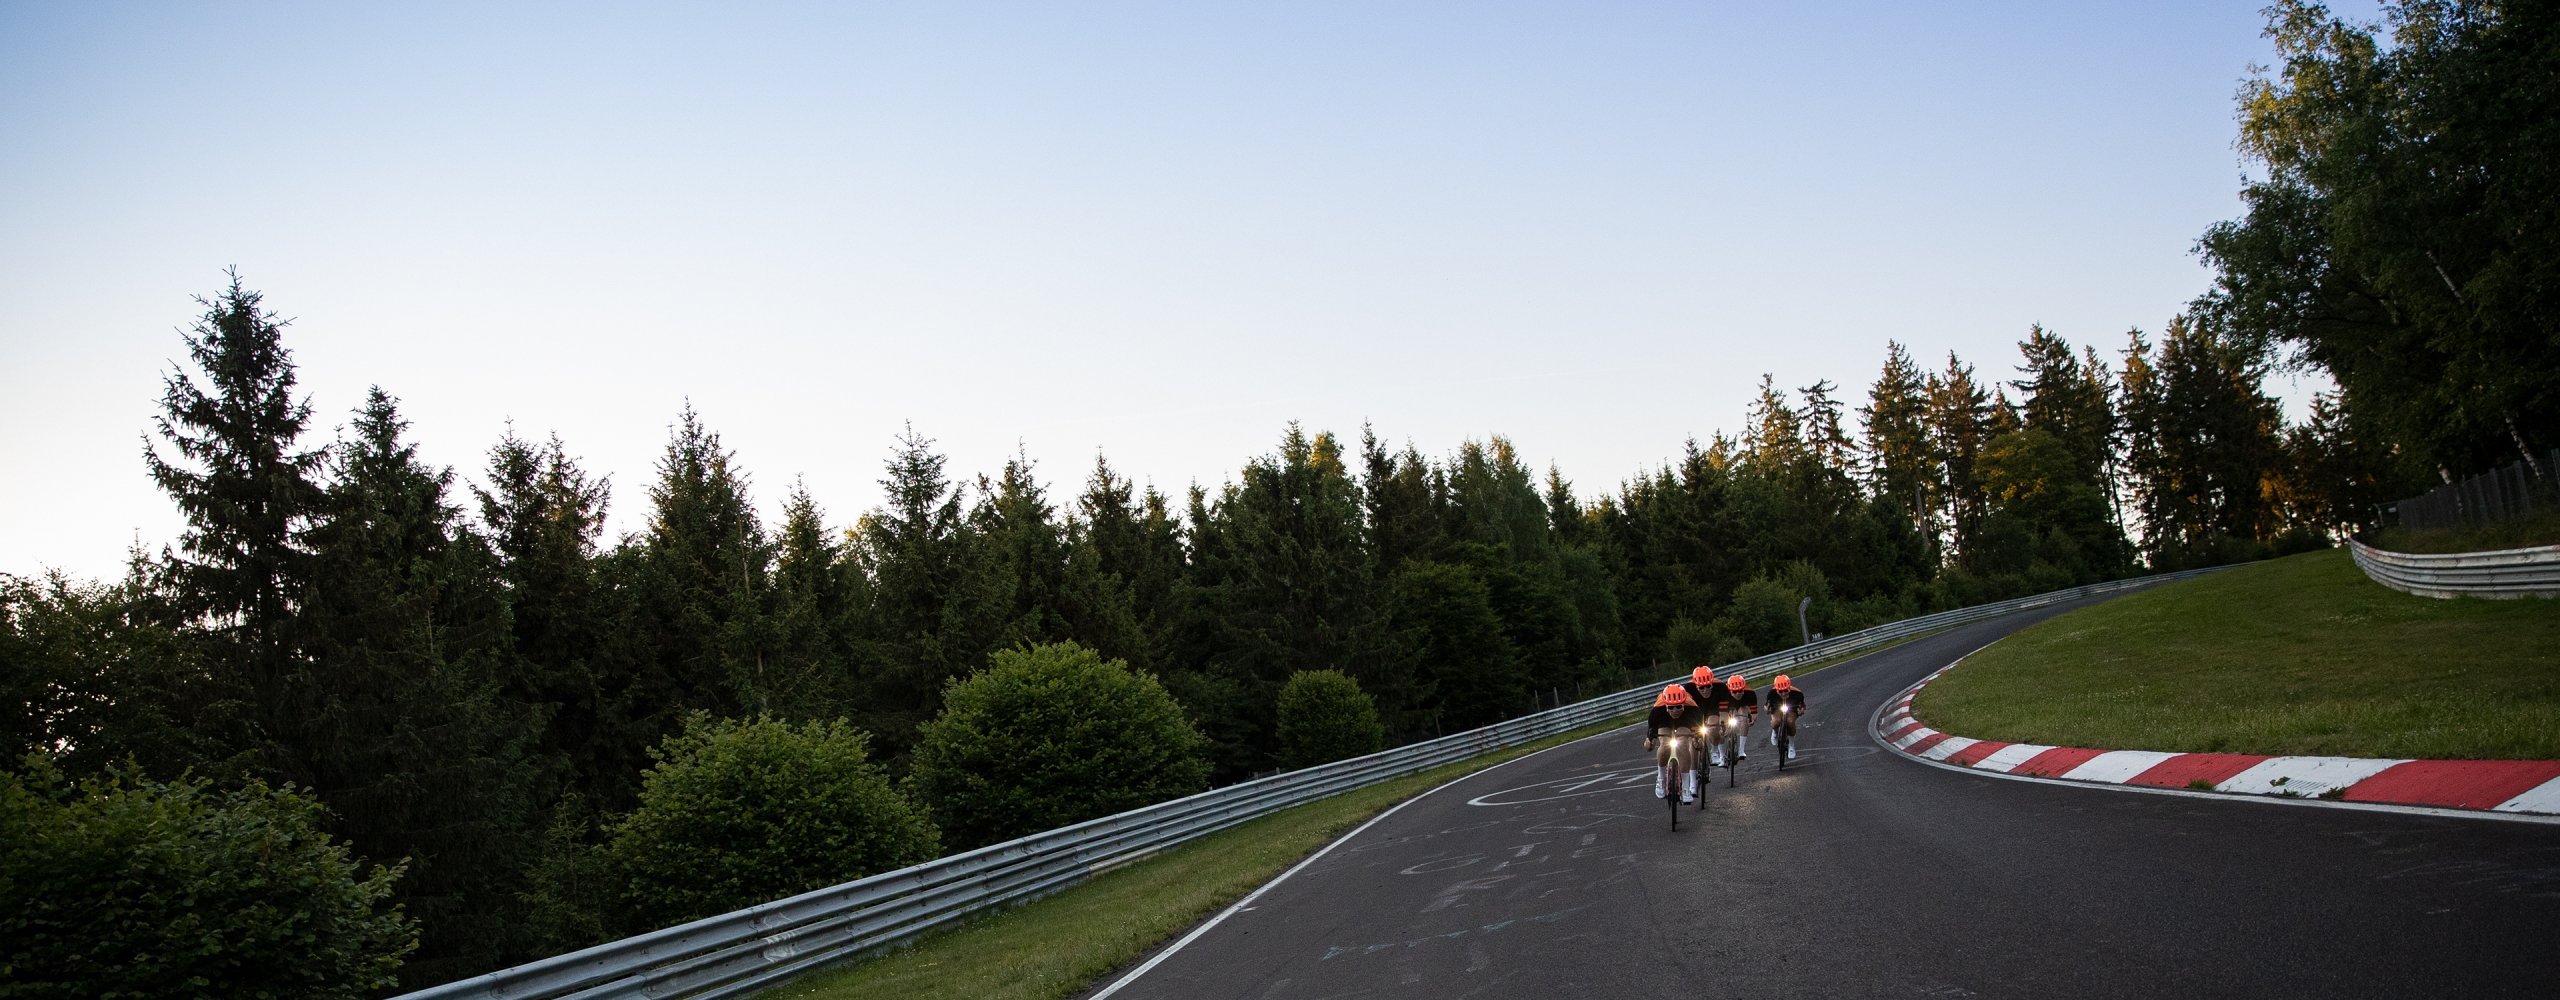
(1157, 232)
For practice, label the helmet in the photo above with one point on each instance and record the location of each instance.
(1703, 675)
(1673, 694)
(1737, 683)
(1782, 683)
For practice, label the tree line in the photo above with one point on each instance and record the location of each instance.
(473, 679)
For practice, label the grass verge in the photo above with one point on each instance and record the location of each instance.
(2540, 528)
(2301, 655)
(1057, 946)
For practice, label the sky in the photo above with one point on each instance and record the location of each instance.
(1154, 232)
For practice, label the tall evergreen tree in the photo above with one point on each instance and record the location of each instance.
(816, 673)
(695, 584)
(1960, 415)
(913, 546)
(395, 717)
(248, 491)
(543, 514)
(2209, 444)
(1902, 464)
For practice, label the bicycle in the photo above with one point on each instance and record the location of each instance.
(1736, 729)
(1671, 775)
(1782, 731)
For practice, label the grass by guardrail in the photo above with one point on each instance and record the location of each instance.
(2301, 655)
(2542, 528)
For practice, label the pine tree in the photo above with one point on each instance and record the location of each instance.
(817, 607)
(694, 591)
(1902, 461)
(912, 551)
(543, 514)
(1404, 501)
(1960, 416)
(248, 492)
(396, 718)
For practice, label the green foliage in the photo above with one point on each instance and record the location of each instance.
(1762, 615)
(1464, 672)
(2402, 236)
(740, 812)
(1323, 716)
(1690, 643)
(122, 887)
(1050, 735)
(404, 637)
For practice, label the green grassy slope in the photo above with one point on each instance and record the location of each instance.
(2301, 655)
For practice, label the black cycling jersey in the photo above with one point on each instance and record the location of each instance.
(1673, 717)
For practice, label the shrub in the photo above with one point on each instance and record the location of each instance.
(738, 812)
(1051, 735)
(1324, 717)
(120, 886)
(1730, 650)
(1690, 643)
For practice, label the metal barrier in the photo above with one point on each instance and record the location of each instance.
(2506, 573)
(737, 953)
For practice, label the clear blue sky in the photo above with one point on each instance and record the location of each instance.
(1156, 231)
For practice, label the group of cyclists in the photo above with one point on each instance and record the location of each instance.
(1703, 711)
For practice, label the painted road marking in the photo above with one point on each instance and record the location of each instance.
(2117, 766)
(2307, 777)
(2011, 756)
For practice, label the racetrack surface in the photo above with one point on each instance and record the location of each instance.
(1857, 873)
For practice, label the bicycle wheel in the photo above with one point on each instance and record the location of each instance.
(1671, 789)
(1733, 756)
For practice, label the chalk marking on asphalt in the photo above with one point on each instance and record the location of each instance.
(1875, 721)
(1240, 904)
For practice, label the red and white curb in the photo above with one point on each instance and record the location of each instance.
(2525, 787)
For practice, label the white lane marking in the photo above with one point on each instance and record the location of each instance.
(1949, 747)
(2544, 798)
(2008, 757)
(2304, 776)
(2115, 767)
(1242, 904)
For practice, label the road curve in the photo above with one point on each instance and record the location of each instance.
(1857, 873)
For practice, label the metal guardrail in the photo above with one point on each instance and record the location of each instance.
(2506, 573)
(738, 953)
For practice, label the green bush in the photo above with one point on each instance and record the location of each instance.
(738, 812)
(1051, 735)
(1323, 716)
(120, 886)
(1690, 643)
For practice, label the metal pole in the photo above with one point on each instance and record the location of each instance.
(1801, 606)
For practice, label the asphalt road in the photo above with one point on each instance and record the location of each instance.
(1857, 873)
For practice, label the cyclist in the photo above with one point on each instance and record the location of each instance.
(1713, 699)
(1701, 680)
(1783, 692)
(1674, 714)
(1748, 701)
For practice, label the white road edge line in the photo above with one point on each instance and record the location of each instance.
(1247, 902)
(1876, 720)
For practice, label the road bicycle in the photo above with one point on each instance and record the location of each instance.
(1782, 731)
(1735, 727)
(1670, 778)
